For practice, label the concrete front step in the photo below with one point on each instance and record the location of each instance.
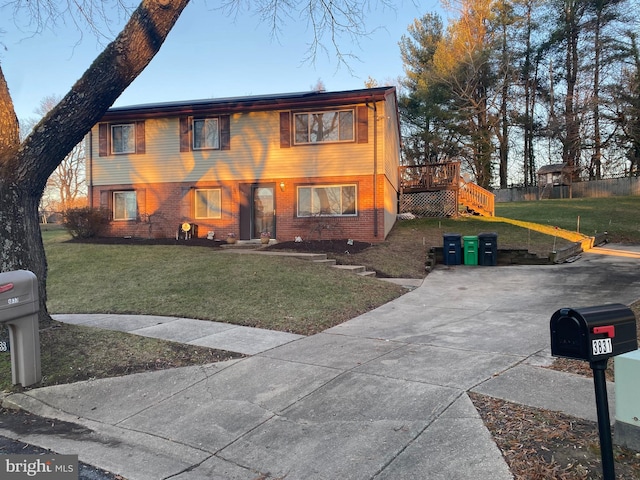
(358, 269)
(319, 258)
(326, 261)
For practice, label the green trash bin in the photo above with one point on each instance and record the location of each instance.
(470, 247)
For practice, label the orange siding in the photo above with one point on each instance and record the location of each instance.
(255, 153)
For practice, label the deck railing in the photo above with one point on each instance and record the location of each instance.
(434, 176)
(477, 198)
(446, 176)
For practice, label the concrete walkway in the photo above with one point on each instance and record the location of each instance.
(382, 396)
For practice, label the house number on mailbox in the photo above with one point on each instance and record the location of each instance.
(602, 346)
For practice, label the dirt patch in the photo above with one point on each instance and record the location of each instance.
(540, 445)
(342, 246)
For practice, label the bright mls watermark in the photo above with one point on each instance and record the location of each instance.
(49, 467)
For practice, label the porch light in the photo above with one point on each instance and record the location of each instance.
(282, 186)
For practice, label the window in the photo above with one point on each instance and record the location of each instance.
(123, 138)
(206, 134)
(208, 203)
(125, 205)
(319, 127)
(330, 200)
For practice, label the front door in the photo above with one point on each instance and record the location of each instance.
(263, 211)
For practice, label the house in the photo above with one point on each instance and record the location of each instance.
(554, 174)
(314, 165)
(551, 180)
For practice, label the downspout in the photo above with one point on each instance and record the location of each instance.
(90, 168)
(375, 168)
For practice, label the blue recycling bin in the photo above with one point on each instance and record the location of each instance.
(488, 249)
(452, 249)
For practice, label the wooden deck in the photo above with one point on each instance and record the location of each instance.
(445, 177)
(430, 178)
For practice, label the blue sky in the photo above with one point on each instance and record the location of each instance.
(210, 55)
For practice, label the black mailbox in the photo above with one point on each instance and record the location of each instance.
(593, 333)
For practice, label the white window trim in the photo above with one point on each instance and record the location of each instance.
(135, 213)
(313, 187)
(113, 143)
(219, 192)
(193, 129)
(309, 124)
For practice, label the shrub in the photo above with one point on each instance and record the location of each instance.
(86, 222)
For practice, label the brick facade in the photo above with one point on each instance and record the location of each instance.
(163, 207)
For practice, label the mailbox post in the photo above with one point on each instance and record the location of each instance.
(595, 334)
(19, 309)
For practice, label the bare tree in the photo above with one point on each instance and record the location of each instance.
(25, 166)
(66, 187)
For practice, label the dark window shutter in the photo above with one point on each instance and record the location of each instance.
(140, 137)
(185, 203)
(225, 132)
(105, 201)
(103, 139)
(104, 198)
(363, 124)
(285, 130)
(185, 144)
(141, 200)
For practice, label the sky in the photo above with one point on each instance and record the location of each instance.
(210, 55)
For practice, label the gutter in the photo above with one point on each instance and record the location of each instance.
(90, 192)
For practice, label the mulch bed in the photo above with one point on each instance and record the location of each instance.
(306, 246)
(192, 242)
(542, 445)
(322, 246)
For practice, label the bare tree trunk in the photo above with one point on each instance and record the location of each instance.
(503, 135)
(25, 168)
(571, 145)
(529, 99)
(595, 169)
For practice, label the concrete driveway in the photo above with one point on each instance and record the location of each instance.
(382, 396)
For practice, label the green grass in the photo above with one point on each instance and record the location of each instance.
(206, 283)
(269, 292)
(618, 216)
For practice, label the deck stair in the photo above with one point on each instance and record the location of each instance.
(476, 199)
(438, 189)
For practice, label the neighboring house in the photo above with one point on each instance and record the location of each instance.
(555, 174)
(314, 165)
